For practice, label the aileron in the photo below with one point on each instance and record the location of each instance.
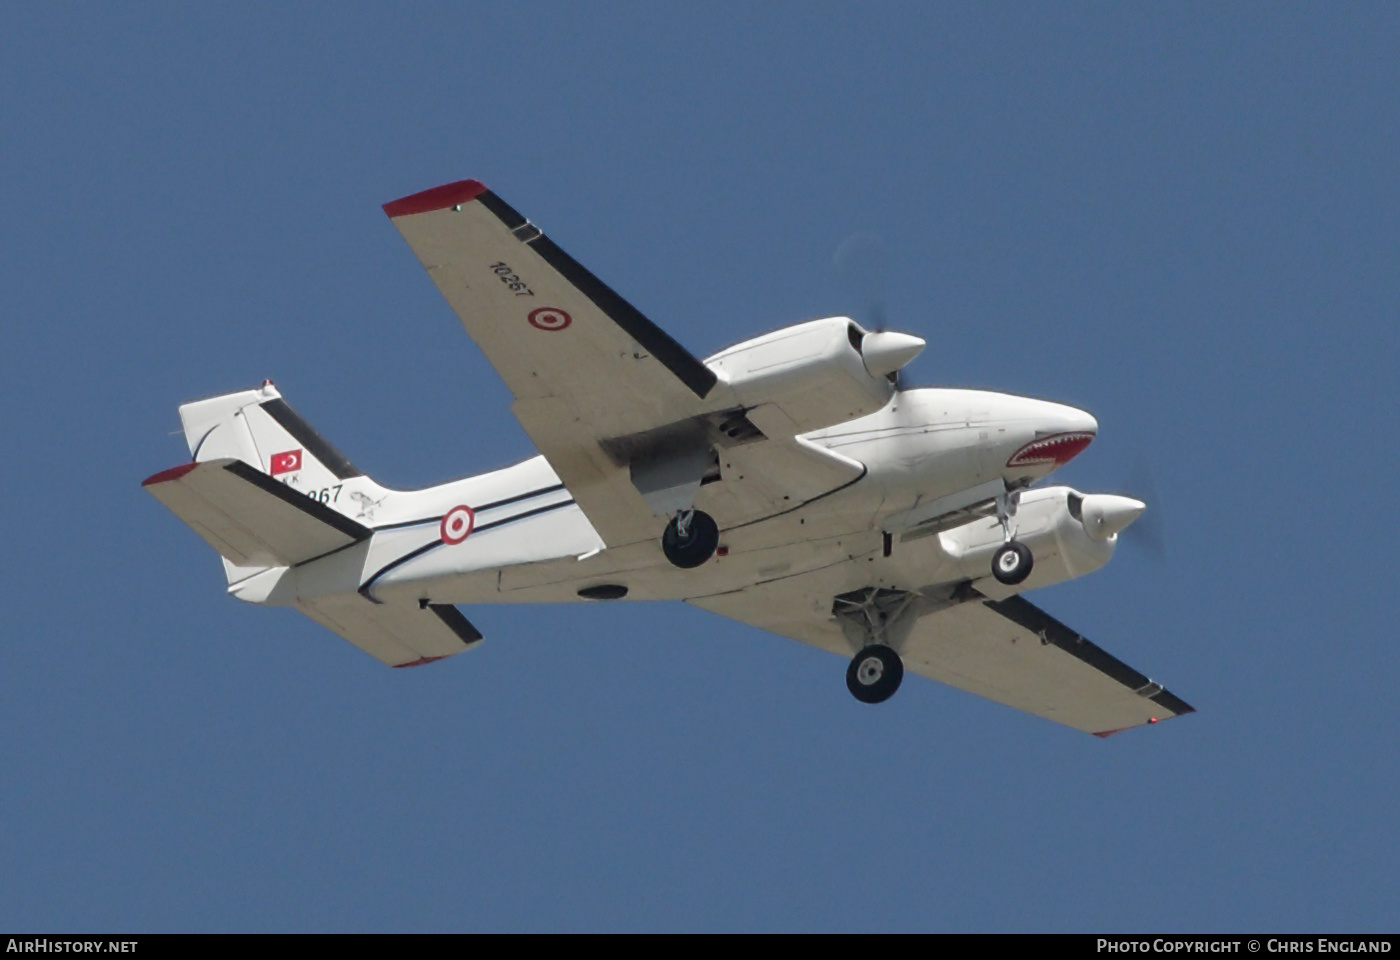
(1036, 621)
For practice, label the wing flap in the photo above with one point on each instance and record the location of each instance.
(796, 607)
(249, 518)
(602, 488)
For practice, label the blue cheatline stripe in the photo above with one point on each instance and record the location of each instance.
(414, 554)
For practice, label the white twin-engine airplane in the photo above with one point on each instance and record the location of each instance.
(787, 482)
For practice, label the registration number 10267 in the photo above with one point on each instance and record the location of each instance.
(512, 280)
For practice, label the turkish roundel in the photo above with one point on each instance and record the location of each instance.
(286, 462)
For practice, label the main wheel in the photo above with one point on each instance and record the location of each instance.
(693, 543)
(1012, 562)
(874, 674)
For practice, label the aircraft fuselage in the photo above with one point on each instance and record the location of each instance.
(530, 542)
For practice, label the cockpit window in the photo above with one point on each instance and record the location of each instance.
(1075, 503)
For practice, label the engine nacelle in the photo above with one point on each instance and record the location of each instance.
(815, 372)
(1051, 522)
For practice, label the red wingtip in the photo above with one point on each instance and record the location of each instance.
(174, 473)
(436, 198)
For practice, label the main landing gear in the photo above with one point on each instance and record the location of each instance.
(874, 674)
(876, 621)
(690, 538)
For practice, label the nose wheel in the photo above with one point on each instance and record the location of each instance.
(1012, 562)
(874, 674)
(690, 538)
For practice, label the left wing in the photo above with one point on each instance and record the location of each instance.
(1009, 651)
(584, 365)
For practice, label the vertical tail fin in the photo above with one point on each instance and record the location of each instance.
(260, 429)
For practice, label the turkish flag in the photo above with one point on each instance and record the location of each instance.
(286, 462)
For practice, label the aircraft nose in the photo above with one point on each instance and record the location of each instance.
(1080, 421)
(1062, 433)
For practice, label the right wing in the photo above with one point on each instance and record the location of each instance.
(1008, 651)
(584, 365)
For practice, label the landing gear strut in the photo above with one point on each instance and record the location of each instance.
(690, 538)
(874, 674)
(876, 621)
(1013, 560)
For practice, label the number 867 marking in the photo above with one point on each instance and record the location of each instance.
(326, 494)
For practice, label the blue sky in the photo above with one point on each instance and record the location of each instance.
(1180, 217)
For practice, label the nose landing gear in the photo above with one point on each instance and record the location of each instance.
(1012, 562)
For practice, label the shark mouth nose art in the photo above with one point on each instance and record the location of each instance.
(1057, 449)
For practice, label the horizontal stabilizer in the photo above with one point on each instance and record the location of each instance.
(397, 635)
(250, 518)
